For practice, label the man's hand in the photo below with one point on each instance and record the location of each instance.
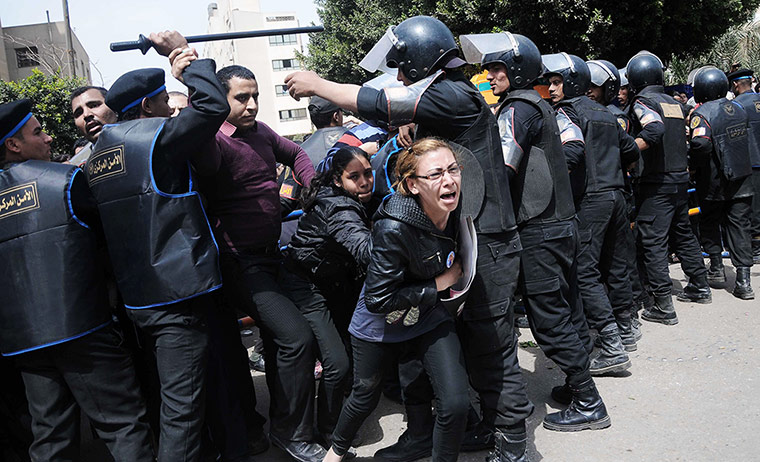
(167, 41)
(303, 83)
(406, 135)
(180, 59)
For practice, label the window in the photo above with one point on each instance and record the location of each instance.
(279, 40)
(280, 18)
(27, 57)
(281, 90)
(285, 64)
(292, 114)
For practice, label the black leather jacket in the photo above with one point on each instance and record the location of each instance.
(332, 243)
(408, 253)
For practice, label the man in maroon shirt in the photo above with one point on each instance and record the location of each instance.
(238, 177)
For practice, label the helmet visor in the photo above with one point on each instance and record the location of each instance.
(375, 60)
(476, 47)
(383, 80)
(557, 62)
(600, 73)
(623, 77)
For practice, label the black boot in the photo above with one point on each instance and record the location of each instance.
(716, 272)
(612, 357)
(509, 448)
(417, 441)
(662, 311)
(698, 290)
(585, 412)
(628, 334)
(756, 250)
(743, 289)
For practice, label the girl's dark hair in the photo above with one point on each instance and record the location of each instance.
(337, 165)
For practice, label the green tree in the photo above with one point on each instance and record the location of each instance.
(740, 44)
(50, 95)
(588, 28)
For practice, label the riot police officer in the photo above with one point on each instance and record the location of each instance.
(719, 155)
(55, 320)
(603, 278)
(741, 82)
(162, 248)
(541, 191)
(661, 190)
(443, 103)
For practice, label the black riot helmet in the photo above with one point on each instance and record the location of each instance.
(576, 77)
(422, 45)
(710, 83)
(522, 60)
(645, 69)
(604, 74)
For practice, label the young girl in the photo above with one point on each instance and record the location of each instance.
(326, 261)
(413, 259)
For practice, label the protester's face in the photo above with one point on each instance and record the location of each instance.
(357, 179)
(623, 95)
(33, 144)
(556, 92)
(243, 97)
(497, 76)
(596, 93)
(440, 196)
(177, 103)
(91, 113)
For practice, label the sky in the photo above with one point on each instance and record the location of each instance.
(98, 23)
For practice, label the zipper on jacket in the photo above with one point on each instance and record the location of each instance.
(437, 254)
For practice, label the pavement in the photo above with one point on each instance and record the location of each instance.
(692, 393)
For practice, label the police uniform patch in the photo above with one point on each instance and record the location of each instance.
(672, 111)
(19, 199)
(450, 259)
(695, 121)
(286, 190)
(623, 123)
(757, 106)
(699, 132)
(106, 164)
(729, 108)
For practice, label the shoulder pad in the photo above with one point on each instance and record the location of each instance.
(568, 131)
(403, 101)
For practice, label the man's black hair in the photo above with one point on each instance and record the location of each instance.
(321, 119)
(226, 73)
(78, 91)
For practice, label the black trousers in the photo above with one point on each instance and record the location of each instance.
(734, 217)
(92, 373)
(229, 385)
(756, 202)
(603, 263)
(179, 339)
(441, 356)
(289, 345)
(486, 331)
(663, 214)
(548, 284)
(319, 312)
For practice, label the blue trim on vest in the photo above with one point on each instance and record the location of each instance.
(293, 215)
(187, 194)
(16, 128)
(68, 199)
(139, 100)
(385, 165)
(58, 342)
(155, 305)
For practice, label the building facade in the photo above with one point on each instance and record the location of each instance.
(41, 46)
(269, 58)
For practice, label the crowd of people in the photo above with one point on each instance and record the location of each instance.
(127, 267)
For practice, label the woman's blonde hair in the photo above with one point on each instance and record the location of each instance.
(408, 159)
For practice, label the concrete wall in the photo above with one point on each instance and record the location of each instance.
(50, 40)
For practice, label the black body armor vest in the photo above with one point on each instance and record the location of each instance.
(161, 245)
(541, 189)
(750, 101)
(669, 156)
(730, 137)
(317, 145)
(51, 283)
(599, 127)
